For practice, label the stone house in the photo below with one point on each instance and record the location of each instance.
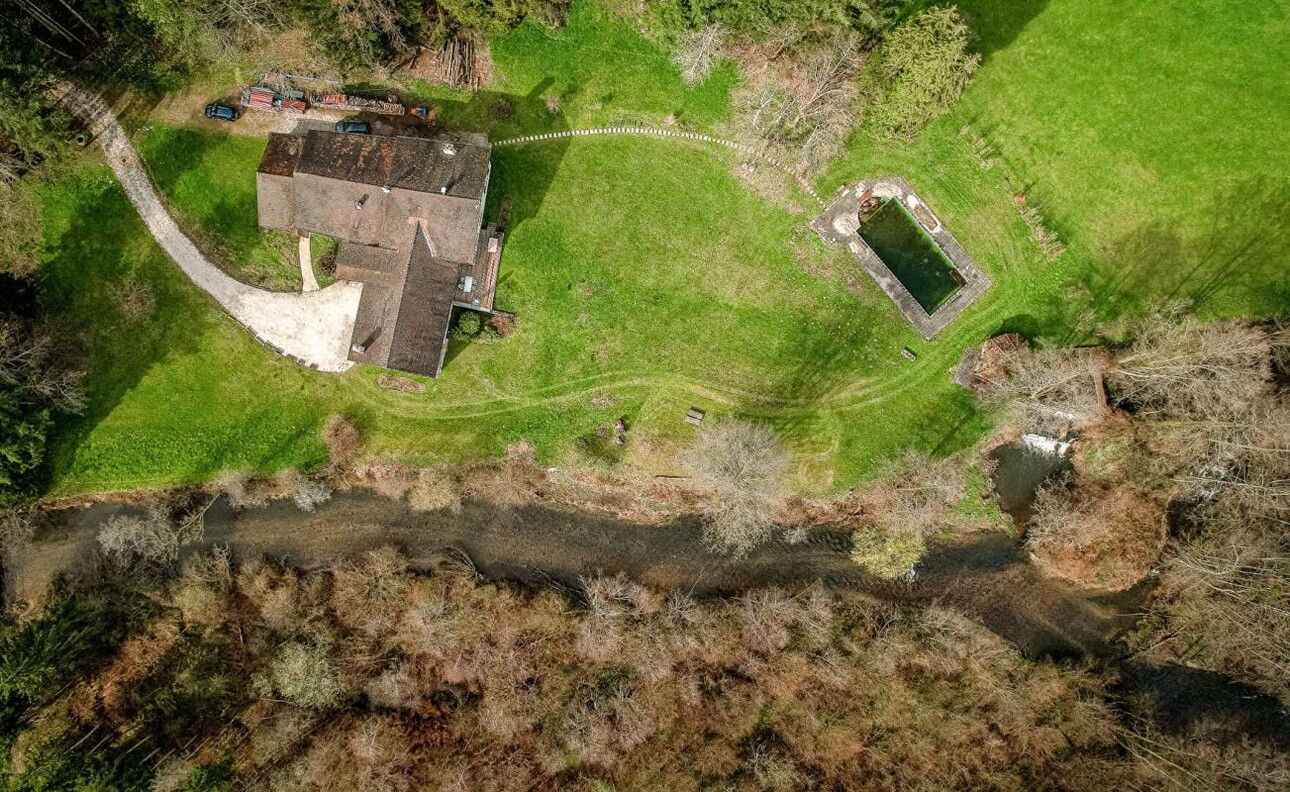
(408, 216)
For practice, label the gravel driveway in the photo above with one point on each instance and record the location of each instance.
(313, 328)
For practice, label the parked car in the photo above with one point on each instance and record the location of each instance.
(220, 112)
(354, 127)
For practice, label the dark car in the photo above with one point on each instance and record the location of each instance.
(353, 127)
(220, 112)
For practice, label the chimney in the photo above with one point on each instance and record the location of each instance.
(362, 200)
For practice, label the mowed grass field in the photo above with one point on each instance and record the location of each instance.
(646, 279)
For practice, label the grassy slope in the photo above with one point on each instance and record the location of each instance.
(1154, 134)
(640, 270)
(210, 181)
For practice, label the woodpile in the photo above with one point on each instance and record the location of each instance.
(459, 63)
(340, 101)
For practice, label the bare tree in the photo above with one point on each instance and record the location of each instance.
(303, 674)
(252, 16)
(800, 106)
(1048, 390)
(697, 51)
(744, 465)
(1203, 395)
(30, 360)
(135, 299)
(150, 538)
(1178, 366)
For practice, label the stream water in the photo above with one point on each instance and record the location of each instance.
(985, 576)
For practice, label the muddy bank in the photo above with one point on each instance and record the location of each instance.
(985, 576)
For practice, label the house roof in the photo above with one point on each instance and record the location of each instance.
(407, 212)
(414, 164)
(281, 154)
(403, 315)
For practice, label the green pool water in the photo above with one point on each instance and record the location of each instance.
(911, 255)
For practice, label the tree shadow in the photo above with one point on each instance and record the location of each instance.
(1184, 700)
(1238, 258)
(84, 268)
(997, 23)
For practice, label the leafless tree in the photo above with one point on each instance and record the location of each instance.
(801, 106)
(697, 51)
(744, 465)
(254, 16)
(149, 538)
(1203, 394)
(30, 360)
(303, 673)
(1178, 366)
(1047, 390)
(16, 532)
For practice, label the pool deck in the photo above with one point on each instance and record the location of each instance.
(840, 223)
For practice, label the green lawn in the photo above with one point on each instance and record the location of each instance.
(1154, 134)
(210, 183)
(647, 280)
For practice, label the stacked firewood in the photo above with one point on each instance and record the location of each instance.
(459, 63)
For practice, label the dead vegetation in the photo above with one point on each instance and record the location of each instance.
(370, 677)
(1098, 535)
(744, 467)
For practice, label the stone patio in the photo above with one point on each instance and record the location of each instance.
(840, 223)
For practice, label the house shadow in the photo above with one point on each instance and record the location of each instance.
(88, 270)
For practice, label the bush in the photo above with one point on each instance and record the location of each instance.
(889, 555)
(921, 72)
(304, 674)
(468, 323)
(342, 439)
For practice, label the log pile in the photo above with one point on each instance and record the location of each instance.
(459, 63)
(340, 101)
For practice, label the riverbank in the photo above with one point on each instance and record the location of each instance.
(985, 574)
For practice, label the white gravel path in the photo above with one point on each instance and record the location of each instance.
(313, 327)
(307, 266)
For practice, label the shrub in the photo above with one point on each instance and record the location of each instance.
(887, 554)
(434, 490)
(922, 70)
(303, 674)
(468, 323)
(342, 439)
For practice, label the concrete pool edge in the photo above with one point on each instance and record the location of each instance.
(839, 224)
